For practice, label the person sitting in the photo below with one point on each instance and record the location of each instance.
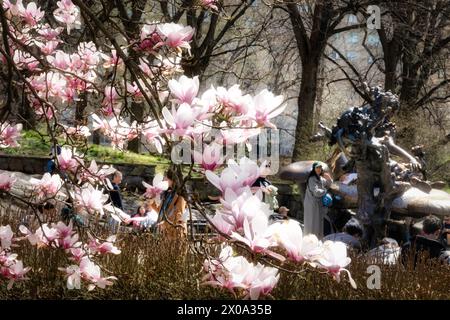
(281, 215)
(351, 235)
(426, 243)
(114, 194)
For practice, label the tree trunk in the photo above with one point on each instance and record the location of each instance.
(306, 101)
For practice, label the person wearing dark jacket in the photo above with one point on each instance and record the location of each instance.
(427, 243)
(114, 194)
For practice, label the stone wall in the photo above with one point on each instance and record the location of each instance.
(133, 174)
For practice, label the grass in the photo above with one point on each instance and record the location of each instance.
(34, 144)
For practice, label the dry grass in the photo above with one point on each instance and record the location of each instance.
(149, 268)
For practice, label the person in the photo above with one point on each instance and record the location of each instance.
(51, 165)
(427, 242)
(142, 220)
(170, 223)
(114, 194)
(270, 192)
(314, 211)
(351, 235)
(281, 215)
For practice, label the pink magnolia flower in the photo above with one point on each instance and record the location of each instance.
(44, 235)
(235, 272)
(73, 274)
(211, 4)
(48, 33)
(265, 107)
(111, 61)
(233, 101)
(48, 47)
(237, 135)
(14, 9)
(95, 173)
(88, 54)
(220, 222)
(6, 181)
(152, 133)
(32, 14)
(179, 121)
(299, 248)
(67, 160)
(68, 14)
(80, 131)
(90, 200)
(60, 60)
(9, 135)
(149, 37)
(334, 259)
(103, 248)
(211, 158)
(159, 186)
(239, 206)
(111, 102)
(261, 281)
(175, 35)
(48, 186)
(228, 180)
(91, 272)
(77, 254)
(247, 169)
(6, 236)
(184, 89)
(16, 272)
(257, 234)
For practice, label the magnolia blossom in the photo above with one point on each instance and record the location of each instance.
(31, 14)
(44, 235)
(184, 89)
(6, 236)
(334, 259)
(87, 271)
(265, 107)
(154, 191)
(211, 158)
(15, 272)
(231, 273)
(91, 272)
(149, 37)
(67, 161)
(6, 181)
(235, 176)
(179, 121)
(233, 101)
(299, 248)
(175, 35)
(95, 173)
(81, 131)
(68, 14)
(257, 234)
(48, 186)
(211, 4)
(73, 277)
(9, 135)
(90, 200)
(102, 248)
(239, 206)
